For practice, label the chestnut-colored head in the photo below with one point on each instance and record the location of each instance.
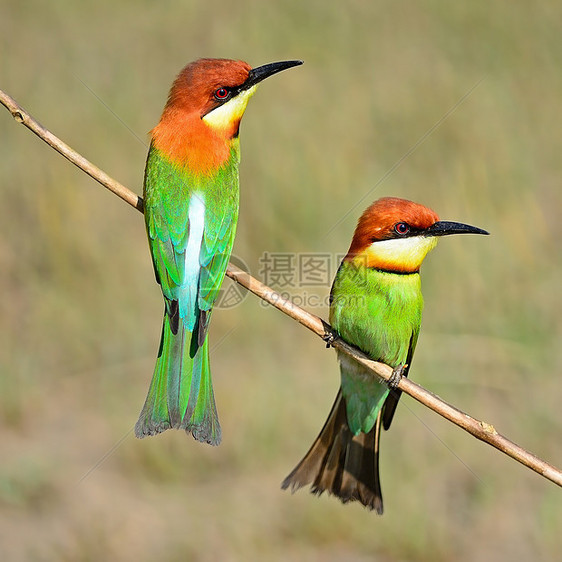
(396, 234)
(206, 84)
(206, 103)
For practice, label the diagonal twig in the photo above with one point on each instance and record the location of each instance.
(479, 429)
(23, 117)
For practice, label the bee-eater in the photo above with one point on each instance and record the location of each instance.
(375, 304)
(191, 210)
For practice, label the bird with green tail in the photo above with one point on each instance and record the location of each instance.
(191, 210)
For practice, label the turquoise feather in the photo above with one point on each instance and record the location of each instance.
(181, 392)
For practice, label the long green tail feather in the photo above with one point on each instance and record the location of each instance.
(181, 392)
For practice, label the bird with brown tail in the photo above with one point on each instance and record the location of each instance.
(376, 305)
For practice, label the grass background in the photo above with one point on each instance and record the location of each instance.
(80, 313)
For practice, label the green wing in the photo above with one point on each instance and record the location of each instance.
(380, 313)
(191, 223)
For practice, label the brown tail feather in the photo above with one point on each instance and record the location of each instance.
(340, 463)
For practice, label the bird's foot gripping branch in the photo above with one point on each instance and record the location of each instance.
(397, 374)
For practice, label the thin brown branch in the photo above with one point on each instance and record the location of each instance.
(479, 429)
(21, 116)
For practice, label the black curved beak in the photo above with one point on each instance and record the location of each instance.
(444, 228)
(262, 72)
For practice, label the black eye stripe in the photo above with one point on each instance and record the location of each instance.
(399, 230)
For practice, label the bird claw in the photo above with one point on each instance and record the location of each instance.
(329, 338)
(396, 377)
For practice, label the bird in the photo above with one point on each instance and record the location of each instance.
(190, 197)
(376, 305)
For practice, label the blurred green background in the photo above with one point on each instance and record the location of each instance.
(81, 313)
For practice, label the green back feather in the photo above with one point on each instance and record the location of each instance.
(167, 195)
(380, 313)
(181, 392)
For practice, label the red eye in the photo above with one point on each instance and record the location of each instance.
(401, 228)
(221, 94)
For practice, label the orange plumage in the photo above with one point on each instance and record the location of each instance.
(377, 225)
(181, 133)
(378, 220)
